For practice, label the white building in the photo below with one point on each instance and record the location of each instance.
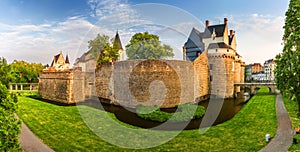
(269, 67)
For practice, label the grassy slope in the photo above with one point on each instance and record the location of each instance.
(292, 109)
(63, 129)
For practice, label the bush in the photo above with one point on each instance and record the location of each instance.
(9, 125)
(186, 112)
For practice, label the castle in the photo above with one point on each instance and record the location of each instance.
(210, 66)
(225, 64)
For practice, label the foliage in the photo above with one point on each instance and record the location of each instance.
(23, 72)
(147, 46)
(109, 54)
(4, 72)
(288, 62)
(96, 45)
(9, 125)
(292, 109)
(185, 112)
(249, 126)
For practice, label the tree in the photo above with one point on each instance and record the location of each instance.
(23, 72)
(4, 72)
(95, 46)
(10, 126)
(147, 46)
(108, 54)
(287, 76)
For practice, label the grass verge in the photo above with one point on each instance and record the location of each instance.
(292, 109)
(63, 129)
(186, 112)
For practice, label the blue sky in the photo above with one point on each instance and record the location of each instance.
(35, 30)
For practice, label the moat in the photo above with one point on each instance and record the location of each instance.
(220, 111)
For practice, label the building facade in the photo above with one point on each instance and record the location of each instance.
(59, 63)
(256, 67)
(225, 64)
(269, 67)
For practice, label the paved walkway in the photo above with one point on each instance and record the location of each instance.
(30, 142)
(284, 135)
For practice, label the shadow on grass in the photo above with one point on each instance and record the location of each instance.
(39, 97)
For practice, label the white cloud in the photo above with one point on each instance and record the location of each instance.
(259, 36)
(39, 43)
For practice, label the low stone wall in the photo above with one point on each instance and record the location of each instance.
(66, 87)
(165, 83)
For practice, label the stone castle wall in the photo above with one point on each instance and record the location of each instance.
(201, 69)
(165, 83)
(221, 74)
(66, 87)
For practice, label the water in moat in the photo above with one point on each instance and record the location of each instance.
(217, 111)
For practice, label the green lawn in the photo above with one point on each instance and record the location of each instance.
(63, 129)
(292, 109)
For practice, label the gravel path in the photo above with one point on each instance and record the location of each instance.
(284, 135)
(30, 142)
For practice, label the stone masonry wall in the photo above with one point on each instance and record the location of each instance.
(201, 68)
(165, 83)
(65, 86)
(55, 86)
(221, 74)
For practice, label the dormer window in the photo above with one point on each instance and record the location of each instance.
(214, 34)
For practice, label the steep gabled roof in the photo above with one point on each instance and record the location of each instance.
(55, 59)
(194, 40)
(219, 45)
(219, 30)
(118, 40)
(67, 59)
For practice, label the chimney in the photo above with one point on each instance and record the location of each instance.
(225, 20)
(207, 23)
(231, 33)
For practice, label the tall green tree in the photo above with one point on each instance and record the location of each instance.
(287, 71)
(96, 45)
(4, 72)
(147, 46)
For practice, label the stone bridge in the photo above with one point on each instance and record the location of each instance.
(253, 86)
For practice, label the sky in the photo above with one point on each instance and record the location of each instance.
(36, 30)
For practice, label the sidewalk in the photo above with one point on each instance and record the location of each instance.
(30, 142)
(284, 135)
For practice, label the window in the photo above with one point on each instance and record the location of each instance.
(211, 78)
(198, 53)
(216, 50)
(210, 66)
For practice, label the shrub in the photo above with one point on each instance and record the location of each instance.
(186, 112)
(9, 125)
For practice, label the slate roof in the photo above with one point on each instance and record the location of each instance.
(219, 45)
(55, 59)
(118, 40)
(230, 38)
(67, 59)
(194, 40)
(219, 30)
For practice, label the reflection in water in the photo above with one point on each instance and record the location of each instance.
(229, 108)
